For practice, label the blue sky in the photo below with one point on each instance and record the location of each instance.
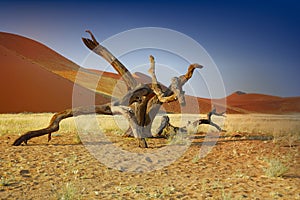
(255, 44)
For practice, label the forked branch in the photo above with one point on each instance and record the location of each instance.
(156, 87)
(174, 91)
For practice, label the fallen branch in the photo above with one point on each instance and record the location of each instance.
(166, 129)
(209, 120)
(55, 120)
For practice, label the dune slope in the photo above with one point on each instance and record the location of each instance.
(27, 87)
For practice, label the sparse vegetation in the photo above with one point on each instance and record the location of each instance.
(262, 124)
(4, 181)
(196, 158)
(77, 139)
(116, 131)
(147, 193)
(275, 168)
(226, 195)
(69, 192)
(289, 138)
(282, 128)
(180, 138)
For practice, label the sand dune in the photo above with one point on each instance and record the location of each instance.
(35, 78)
(36, 52)
(262, 103)
(28, 87)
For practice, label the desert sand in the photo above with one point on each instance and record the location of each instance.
(234, 169)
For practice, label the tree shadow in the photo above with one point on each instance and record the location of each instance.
(291, 176)
(227, 138)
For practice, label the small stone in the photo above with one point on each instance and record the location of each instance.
(148, 159)
(24, 172)
(280, 195)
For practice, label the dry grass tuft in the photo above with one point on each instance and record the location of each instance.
(276, 168)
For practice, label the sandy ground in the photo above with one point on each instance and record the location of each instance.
(233, 169)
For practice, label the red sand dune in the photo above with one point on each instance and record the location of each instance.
(35, 78)
(28, 87)
(36, 52)
(50, 60)
(261, 103)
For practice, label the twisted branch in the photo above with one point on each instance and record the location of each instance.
(55, 120)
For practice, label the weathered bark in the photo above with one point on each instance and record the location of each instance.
(154, 103)
(165, 121)
(166, 129)
(214, 112)
(157, 88)
(130, 115)
(209, 122)
(184, 78)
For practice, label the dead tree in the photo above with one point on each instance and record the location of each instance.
(140, 104)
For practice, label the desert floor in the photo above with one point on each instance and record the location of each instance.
(241, 165)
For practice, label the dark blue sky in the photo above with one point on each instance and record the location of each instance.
(255, 44)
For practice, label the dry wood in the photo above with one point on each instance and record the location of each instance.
(55, 120)
(166, 128)
(130, 115)
(209, 120)
(157, 88)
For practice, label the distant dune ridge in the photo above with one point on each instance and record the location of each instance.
(35, 78)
